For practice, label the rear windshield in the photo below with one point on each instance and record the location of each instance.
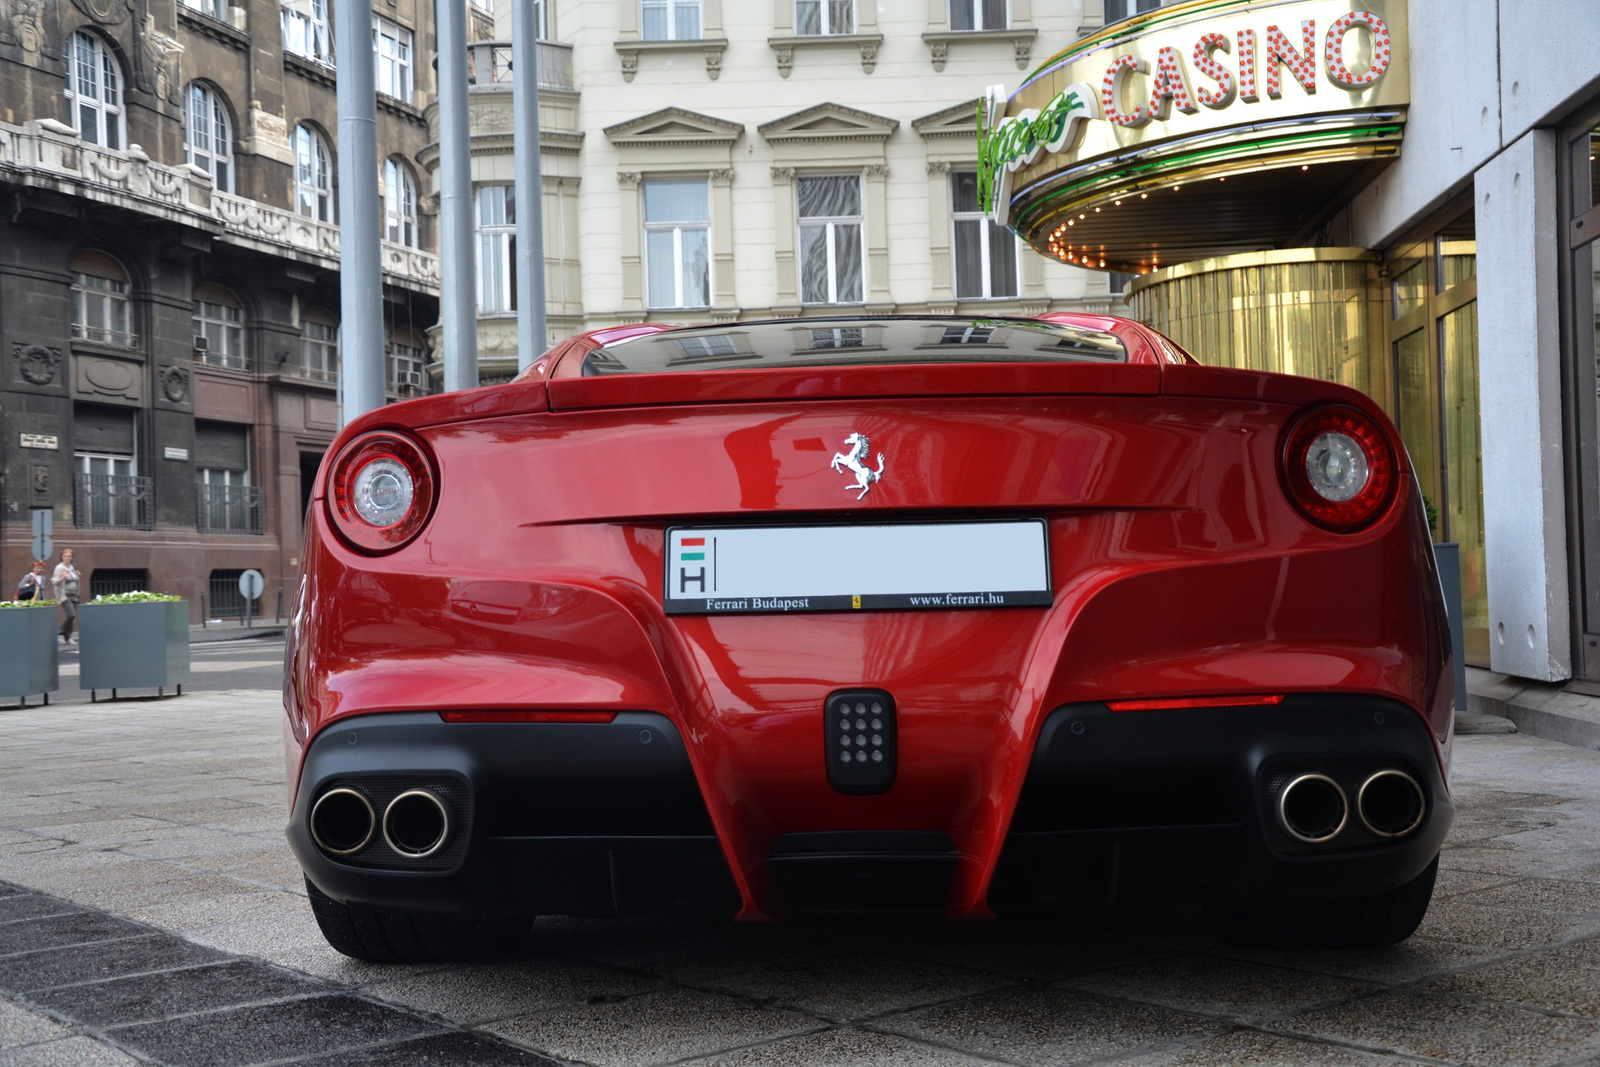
(856, 341)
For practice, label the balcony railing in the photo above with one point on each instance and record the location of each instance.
(489, 65)
(49, 155)
(237, 509)
(230, 360)
(101, 336)
(111, 501)
(300, 368)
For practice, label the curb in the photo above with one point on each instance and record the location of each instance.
(1537, 708)
(204, 637)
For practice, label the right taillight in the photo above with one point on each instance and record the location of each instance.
(380, 491)
(1339, 467)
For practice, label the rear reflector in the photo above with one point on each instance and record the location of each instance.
(528, 716)
(1169, 704)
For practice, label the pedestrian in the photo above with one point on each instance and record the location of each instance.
(64, 581)
(32, 585)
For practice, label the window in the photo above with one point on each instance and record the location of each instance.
(100, 299)
(319, 347)
(671, 20)
(978, 15)
(677, 233)
(714, 346)
(497, 248)
(839, 337)
(313, 175)
(94, 91)
(830, 238)
(399, 204)
(305, 30)
(110, 491)
(985, 254)
(966, 335)
(217, 9)
(208, 135)
(1117, 10)
(225, 502)
(218, 327)
(393, 45)
(405, 363)
(824, 16)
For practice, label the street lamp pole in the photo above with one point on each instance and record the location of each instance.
(458, 308)
(533, 335)
(360, 265)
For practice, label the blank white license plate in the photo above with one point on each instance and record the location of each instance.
(759, 569)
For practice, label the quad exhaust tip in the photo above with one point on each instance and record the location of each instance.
(416, 823)
(1391, 803)
(1312, 808)
(343, 822)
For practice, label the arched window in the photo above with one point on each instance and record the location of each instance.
(319, 346)
(399, 204)
(100, 299)
(218, 327)
(94, 91)
(313, 175)
(208, 135)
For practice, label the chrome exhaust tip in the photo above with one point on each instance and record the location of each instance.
(1391, 803)
(416, 823)
(342, 822)
(1312, 808)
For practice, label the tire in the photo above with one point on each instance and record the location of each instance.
(1362, 922)
(395, 937)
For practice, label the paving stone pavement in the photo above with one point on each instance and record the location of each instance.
(150, 912)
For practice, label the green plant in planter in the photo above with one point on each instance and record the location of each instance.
(1433, 513)
(27, 603)
(138, 596)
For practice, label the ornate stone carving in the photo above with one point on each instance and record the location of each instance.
(941, 51)
(869, 55)
(156, 62)
(629, 179)
(938, 166)
(722, 176)
(22, 24)
(41, 478)
(630, 65)
(785, 54)
(108, 377)
(174, 384)
(714, 63)
(105, 12)
(36, 363)
(783, 174)
(1023, 46)
(876, 170)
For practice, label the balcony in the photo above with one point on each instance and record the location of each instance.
(111, 502)
(489, 66)
(231, 509)
(49, 155)
(101, 336)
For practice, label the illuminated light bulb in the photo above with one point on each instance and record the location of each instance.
(1118, 203)
(1144, 196)
(1305, 168)
(1083, 216)
(1097, 211)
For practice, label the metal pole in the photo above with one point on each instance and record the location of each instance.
(458, 307)
(360, 213)
(533, 336)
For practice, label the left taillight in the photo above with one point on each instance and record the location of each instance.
(1340, 470)
(380, 491)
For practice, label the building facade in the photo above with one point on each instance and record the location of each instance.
(169, 278)
(710, 160)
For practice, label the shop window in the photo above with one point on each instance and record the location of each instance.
(677, 232)
(985, 254)
(218, 328)
(313, 174)
(979, 15)
(306, 30)
(100, 300)
(824, 17)
(392, 43)
(208, 135)
(94, 91)
(670, 20)
(399, 204)
(830, 238)
(497, 248)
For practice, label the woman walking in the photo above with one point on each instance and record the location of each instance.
(64, 582)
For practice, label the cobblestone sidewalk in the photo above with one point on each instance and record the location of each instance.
(153, 913)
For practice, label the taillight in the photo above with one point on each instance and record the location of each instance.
(1340, 469)
(380, 491)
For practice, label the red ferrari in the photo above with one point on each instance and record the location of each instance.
(956, 616)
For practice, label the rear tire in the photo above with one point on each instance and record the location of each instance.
(395, 937)
(1361, 922)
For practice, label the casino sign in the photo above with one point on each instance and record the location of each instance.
(1201, 129)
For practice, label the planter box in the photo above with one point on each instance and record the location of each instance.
(133, 646)
(28, 651)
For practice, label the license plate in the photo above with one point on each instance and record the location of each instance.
(735, 570)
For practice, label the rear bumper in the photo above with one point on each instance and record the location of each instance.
(605, 819)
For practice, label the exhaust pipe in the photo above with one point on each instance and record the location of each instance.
(1391, 803)
(416, 823)
(342, 822)
(1312, 808)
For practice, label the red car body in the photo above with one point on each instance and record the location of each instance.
(1181, 572)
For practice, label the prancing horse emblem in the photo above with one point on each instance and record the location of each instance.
(860, 448)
